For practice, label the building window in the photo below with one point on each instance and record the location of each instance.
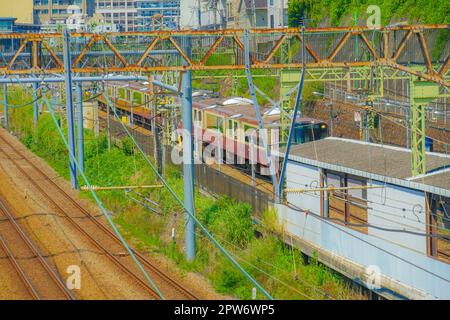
(346, 206)
(439, 227)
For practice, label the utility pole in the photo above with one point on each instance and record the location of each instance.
(330, 105)
(366, 126)
(188, 159)
(69, 108)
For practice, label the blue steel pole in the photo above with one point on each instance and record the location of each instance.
(79, 90)
(35, 104)
(5, 105)
(188, 159)
(69, 106)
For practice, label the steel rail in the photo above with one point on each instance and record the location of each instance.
(20, 272)
(70, 219)
(51, 272)
(164, 277)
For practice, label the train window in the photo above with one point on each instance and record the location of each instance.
(137, 98)
(310, 132)
(230, 131)
(439, 227)
(197, 116)
(249, 131)
(214, 122)
(121, 93)
(347, 206)
(236, 130)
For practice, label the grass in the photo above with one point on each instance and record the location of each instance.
(278, 268)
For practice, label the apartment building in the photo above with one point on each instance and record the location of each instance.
(154, 14)
(140, 15)
(121, 13)
(58, 11)
(22, 10)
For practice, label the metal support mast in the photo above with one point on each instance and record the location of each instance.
(35, 104)
(188, 158)
(80, 133)
(5, 106)
(69, 107)
(421, 92)
(418, 139)
(263, 132)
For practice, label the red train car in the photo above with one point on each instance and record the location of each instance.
(224, 128)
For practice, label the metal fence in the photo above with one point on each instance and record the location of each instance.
(219, 183)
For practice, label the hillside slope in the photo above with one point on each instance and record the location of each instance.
(342, 12)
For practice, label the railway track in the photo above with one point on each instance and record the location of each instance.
(39, 278)
(91, 226)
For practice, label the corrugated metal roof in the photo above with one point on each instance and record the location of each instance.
(380, 160)
(246, 110)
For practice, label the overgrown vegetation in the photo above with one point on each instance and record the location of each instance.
(280, 269)
(336, 12)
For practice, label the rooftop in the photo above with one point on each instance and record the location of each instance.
(7, 19)
(381, 160)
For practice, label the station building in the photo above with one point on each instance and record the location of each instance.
(384, 229)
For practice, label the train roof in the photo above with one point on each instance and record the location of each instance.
(134, 85)
(229, 107)
(242, 109)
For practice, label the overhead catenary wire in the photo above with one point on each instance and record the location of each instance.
(100, 204)
(191, 214)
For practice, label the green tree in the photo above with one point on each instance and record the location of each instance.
(296, 12)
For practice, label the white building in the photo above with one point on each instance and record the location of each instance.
(122, 13)
(221, 14)
(393, 236)
(263, 13)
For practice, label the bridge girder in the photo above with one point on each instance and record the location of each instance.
(327, 48)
